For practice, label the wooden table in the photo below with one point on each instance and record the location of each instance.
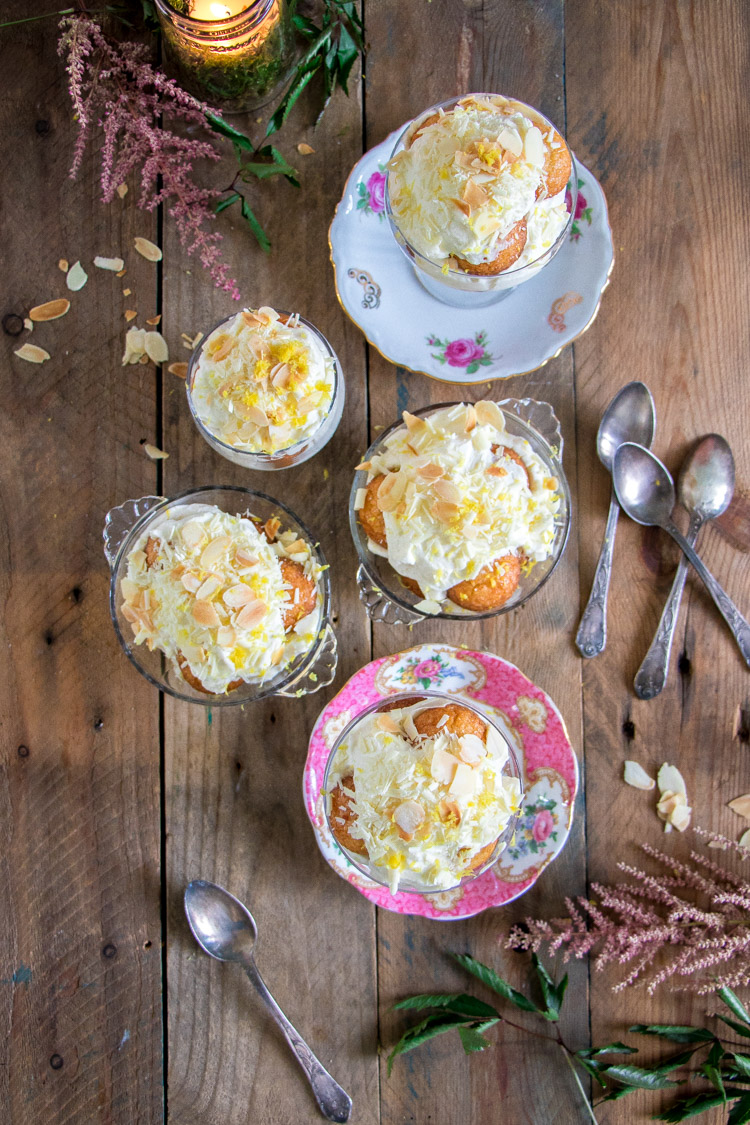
(113, 796)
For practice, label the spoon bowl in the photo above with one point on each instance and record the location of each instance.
(223, 926)
(705, 485)
(630, 416)
(643, 485)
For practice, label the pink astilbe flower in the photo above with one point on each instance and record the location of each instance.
(700, 943)
(114, 85)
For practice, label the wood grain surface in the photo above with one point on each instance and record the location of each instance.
(112, 797)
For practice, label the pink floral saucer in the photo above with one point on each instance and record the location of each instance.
(377, 287)
(537, 733)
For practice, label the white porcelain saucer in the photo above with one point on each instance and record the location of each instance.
(377, 287)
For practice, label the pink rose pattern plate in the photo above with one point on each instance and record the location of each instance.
(377, 288)
(534, 728)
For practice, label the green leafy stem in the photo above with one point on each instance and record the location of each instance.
(725, 1066)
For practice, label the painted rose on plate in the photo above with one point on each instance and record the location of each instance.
(466, 353)
(372, 193)
(583, 211)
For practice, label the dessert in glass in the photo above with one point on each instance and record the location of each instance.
(422, 792)
(460, 510)
(265, 389)
(476, 196)
(220, 596)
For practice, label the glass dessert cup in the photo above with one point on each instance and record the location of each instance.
(124, 525)
(294, 454)
(454, 286)
(380, 587)
(510, 769)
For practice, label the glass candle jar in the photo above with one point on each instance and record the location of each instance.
(235, 54)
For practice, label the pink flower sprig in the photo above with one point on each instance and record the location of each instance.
(688, 925)
(115, 86)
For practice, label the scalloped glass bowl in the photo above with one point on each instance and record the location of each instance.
(295, 454)
(123, 527)
(511, 769)
(455, 286)
(384, 596)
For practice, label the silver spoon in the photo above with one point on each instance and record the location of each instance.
(646, 493)
(705, 488)
(226, 930)
(630, 416)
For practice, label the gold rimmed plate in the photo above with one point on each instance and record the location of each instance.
(378, 289)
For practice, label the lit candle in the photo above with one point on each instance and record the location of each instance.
(233, 53)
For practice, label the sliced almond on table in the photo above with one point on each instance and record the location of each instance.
(63, 265)
(744, 840)
(669, 777)
(50, 310)
(741, 805)
(76, 277)
(680, 818)
(113, 264)
(130, 314)
(28, 324)
(178, 369)
(148, 250)
(153, 320)
(305, 149)
(636, 776)
(31, 353)
(122, 190)
(155, 347)
(154, 452)
(134, 345)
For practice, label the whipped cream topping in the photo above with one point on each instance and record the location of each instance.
(470, 176)
(207, 587)
(454, 501)
(424, 806)
(263, 383)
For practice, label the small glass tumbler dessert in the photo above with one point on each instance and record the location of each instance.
(220, 596)
(265, 389)
(460, 510)
(422, 792)
(480, 194)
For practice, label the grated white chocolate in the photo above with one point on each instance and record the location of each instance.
(262, 383)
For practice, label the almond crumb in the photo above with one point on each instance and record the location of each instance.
(130, 314)
(63, 265)
(178, 369)
(305, 149)
(153, 320)
(122, 190)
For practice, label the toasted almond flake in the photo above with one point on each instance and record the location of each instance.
(411, 421)
(533, 147)
(363, 466)
(296, 547)
(680, 818)
(155, 347)
(205, 614)
(122, 190)
(134, 345)
(121, 273)
(359, 499)
(215, 549)
(489, 414)
(719, 844)
(267, 314)
(130, 589)
(385, 722)
(148, 250)
(443, 766)
(191, 582)
(250, 318)
(741, 805)
(178, 369)
(446, 490)
(636, 776)
(669, 777)
(304, 149)
(31, 353)
(50, 310)
(474, 195)
(153, 320)
(449, 810)
(251, 615)
(391, 491)
(129, 614)
(114, 264)
(668, 803)
(463, 207)
(131, 314)
(307, 403)
(209, 588)
(744, 840)
(238, 595)
(510, 141)
(280, 376)
(464, 781)
(63, 265)
(443, 511)
(257, 416)
(143, 358)
(408, 816)
(226, 636)
(471, 419)
(126, 292)
(76, 277)
(28, 324)
(244, 558)
(271, 527)
(154, 452)
(277, 654)
(496, 471)
(471, 749)
(430, 471)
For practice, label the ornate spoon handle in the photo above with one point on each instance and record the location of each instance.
(592, 631)
(335, 1104)
(725, 605)
(652, 674)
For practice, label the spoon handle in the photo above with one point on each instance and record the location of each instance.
(652, 674)
(335, 1104)
(726, 606)
(592, 631)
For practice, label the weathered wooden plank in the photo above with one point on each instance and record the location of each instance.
(512, 49)
(233, 799)
(656, 107)
(81, 932)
